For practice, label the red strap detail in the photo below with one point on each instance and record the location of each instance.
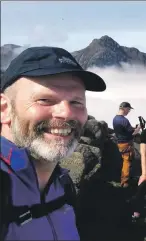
(9, 155)
(7, 160)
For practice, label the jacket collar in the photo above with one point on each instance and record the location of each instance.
(13, 156)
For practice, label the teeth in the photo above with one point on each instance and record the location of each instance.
(55, 131)
(60, 131)
(64, 132)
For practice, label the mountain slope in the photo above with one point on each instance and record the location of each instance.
(107, 52)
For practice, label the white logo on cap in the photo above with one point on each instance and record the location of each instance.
(65, 60)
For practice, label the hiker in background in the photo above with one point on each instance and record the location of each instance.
(143, 156)
(125, 133)
(43, 111)
(139, 200)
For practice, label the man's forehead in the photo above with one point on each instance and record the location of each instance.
(62, 80)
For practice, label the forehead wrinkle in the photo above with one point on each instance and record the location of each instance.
(51, 89)
(60, 79)
(61, 86)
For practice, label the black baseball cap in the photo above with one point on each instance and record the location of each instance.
(126, 105)
(45, 61)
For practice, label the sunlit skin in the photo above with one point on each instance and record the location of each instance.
(58, 99)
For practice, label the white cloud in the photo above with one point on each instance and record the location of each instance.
(46, 35)
(128, 84)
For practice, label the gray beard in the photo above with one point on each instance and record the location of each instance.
(41, 150)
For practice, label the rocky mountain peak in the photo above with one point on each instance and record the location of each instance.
(107, 52)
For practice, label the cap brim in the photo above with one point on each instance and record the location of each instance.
(91, 81)
(127, 107)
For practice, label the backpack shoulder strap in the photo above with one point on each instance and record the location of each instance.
(69, 189)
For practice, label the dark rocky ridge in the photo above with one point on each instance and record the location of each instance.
(107, 52)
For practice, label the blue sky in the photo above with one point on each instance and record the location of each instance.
(73, 25)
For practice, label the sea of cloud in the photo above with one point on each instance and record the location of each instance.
(125, 84)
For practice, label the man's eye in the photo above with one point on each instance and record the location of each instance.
(76, 103)
(45, 101)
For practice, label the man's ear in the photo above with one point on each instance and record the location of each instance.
(5, 107)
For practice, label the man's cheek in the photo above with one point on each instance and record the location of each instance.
(37, 114)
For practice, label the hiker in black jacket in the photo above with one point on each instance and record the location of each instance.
(143, 156)
(141, 193)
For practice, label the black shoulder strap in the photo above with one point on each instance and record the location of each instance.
(67, 184)
(69, 189)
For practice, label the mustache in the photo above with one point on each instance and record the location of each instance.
(45, 125)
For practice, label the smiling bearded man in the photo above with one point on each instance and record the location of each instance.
(43, 111)
(57, 145)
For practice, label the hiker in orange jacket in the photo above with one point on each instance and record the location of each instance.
(124, 133)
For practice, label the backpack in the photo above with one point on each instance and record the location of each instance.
(23, 214)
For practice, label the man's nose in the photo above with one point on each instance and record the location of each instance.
(63, 110)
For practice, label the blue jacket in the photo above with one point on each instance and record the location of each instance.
(123, 129)
(57, 225)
